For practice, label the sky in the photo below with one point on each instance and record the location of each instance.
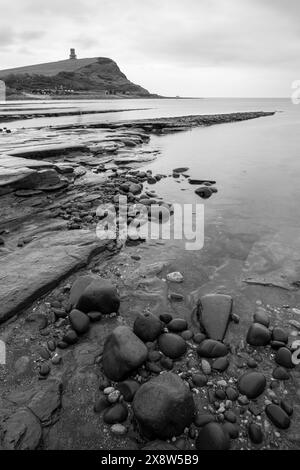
(209, 48)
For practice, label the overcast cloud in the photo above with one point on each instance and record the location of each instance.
(172, 47)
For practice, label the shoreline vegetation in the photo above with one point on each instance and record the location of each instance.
(71, 303)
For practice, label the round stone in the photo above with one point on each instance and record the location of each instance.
(279, 373)
(232, 430)
(118, 429)
(287, 407)
(212, 437)
(279, 334)
(172, 345)
(187, 335)
(116, 414)
(211, 348)
(165, 317)
(44, 370)
(278, 416)
(252, 384)
(70, 337)
(199, 337)
(232, 393)
(255, 433)
(258, 335)
(230, 416)
(284, 358)
(166, 363)
(199, 380)
(220, 364)
(203, 419)
(164, 406)
(177, 325)
(128, 389)
(147, 327)
(79, 321)
(262, 317)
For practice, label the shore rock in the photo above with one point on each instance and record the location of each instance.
(164, 406)
(99, 296)
(147, 327)
(262, 317)
(172, 345)
(258, 335)
(212, 437)
(284, 358)
(278, 416)
(279, 373)
(177, 325)
(123, 353)
(255, 433)
(115, 414)
(22, 431)
(220, 364)
(279, 334)
(128, 389)
(79, 321)
(214, 313)
(252, 384)
(210, 348)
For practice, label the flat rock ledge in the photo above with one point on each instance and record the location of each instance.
(43, 264)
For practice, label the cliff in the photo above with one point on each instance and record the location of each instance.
(73, 76)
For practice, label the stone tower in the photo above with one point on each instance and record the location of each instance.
(72, 54)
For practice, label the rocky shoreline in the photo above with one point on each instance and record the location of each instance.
(100, 353)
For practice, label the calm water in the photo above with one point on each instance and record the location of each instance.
(256, 165)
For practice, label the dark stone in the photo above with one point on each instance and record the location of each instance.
(78, 289)
(165, 318)
(177, 325)
(232, 393)
(214, 312)
(154, 356)
(255, 433)
(287, 407)
(230, 416)
(172, 345)
(278, 416)
(123, 353)
(203, 419)
(284, 358)
(279, 373)
(232, 430)
(147, 327)
(204, 192)
(279, 334)
(21, 431)
(166, 363)
(212, 437)
(95, 316)
(98, 295)
(128, 389)
(258, 335)
(101, 404)
(79, 321)
(164, 406)
(277, 345)
(62, 345)
(199, 337)
(220, 394)
(252, 384)
(211, 348)
(199, 380)
(70, 337)
(262, 317)
(187, 335)
(115, 414)
(44, 369)
(220, 364)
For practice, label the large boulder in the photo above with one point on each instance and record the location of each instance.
(123, 353)
(91, 294)
(147, 327)
(164, 406)
(214, 312)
